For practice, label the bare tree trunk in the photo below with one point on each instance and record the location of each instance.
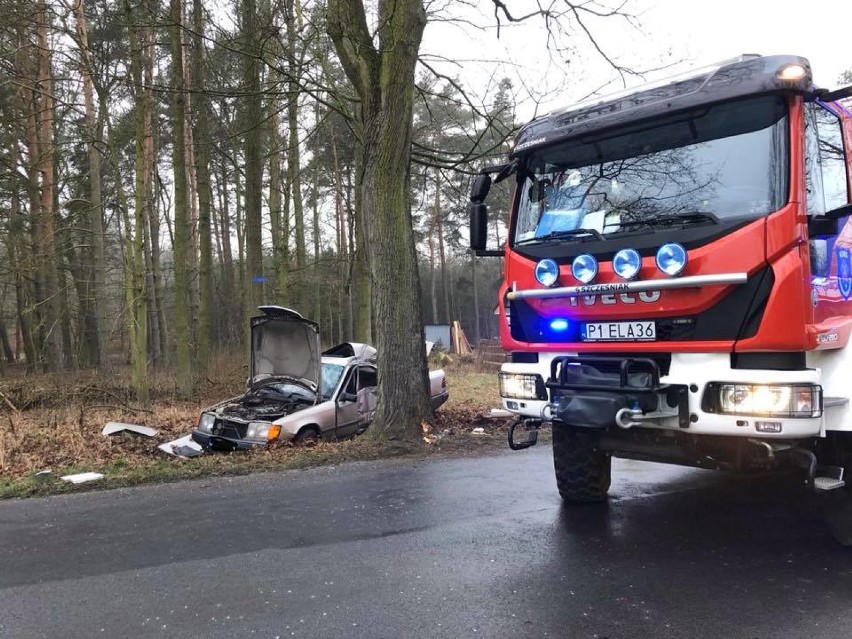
(278, 216)
(205, 194)
(228, 287)
(135, 290)
(293, 161)
(363, 302)
(253, 141)
(94, 267)
(439, 222)
(383, 76)
(181, 221)
(47, 241)
(340, 227)
(158, 288)
(16, 250)
(433, 277)
(315, 270)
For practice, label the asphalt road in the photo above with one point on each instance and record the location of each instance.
(444, 548)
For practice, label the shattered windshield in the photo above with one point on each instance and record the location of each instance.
(330, 378)
(707, 165)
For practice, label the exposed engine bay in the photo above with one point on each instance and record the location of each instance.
(269, 402)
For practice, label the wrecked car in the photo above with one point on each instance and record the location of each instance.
(297, 394)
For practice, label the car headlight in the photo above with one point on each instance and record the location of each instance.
(584, 268)
(547, 272)
(263, 431)
(205, 422)
(764, 400)
(627, 263)
(522, 386)
(671, 258)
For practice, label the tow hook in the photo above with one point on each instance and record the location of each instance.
(532, 426)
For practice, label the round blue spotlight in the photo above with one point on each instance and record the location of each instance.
(559, 325)
(626, 263)
(547, 272)
(584, 268)
(671, 258)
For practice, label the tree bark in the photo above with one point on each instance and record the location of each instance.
(47, 242)
(181, 216)
(293, 159)
(253, 142)
(137, 293)
(383, 75)
(362, 288)
(95, 258)
(205, 194)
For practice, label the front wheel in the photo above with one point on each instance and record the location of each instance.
(583, 471)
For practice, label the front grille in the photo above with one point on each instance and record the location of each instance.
(232, 430)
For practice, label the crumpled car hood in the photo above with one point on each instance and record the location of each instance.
(284, 344)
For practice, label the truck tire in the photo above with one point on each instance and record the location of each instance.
(582, 471)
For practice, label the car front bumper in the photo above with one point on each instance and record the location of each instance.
(217, 442)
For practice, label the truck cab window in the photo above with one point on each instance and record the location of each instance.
(825, 173)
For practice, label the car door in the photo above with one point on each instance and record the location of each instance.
(346, 404)
(368, 382)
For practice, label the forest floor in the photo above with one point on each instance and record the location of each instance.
(54, 423)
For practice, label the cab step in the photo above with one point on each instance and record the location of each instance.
(828, 483)
(834, 402)
(828, 477)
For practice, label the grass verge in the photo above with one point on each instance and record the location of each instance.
(60, 430)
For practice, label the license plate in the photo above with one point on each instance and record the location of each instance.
(619, 332)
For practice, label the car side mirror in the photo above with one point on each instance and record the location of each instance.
(349, 397)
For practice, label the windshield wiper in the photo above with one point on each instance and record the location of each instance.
(583, 234)
(668, 219)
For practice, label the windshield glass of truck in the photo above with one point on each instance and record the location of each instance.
(715, 163)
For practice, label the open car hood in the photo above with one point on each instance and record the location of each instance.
(284, 344)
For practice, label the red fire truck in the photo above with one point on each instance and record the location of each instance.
(678, 277)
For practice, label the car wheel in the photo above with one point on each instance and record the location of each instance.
(308, 437)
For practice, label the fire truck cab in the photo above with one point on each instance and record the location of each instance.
(678, 278)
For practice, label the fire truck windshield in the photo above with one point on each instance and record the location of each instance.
(721, 162)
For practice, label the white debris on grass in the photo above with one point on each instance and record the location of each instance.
(116, 427)
(183, 447)
(479, 430)
(81, 478)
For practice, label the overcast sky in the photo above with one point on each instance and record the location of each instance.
(686, 33)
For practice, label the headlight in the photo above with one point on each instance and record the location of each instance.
(205, 422)
(626, 263)
(263, 431)
(769, 400)
(547, 272)
(671, 259)
(522, 386)
(584, 268)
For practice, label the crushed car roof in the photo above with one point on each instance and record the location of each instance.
(347, 350)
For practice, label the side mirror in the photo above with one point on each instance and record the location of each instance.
(478, 226)
(349, 397)
(480, 188)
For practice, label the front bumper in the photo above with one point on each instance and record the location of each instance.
(671, 401)
(217, 442)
